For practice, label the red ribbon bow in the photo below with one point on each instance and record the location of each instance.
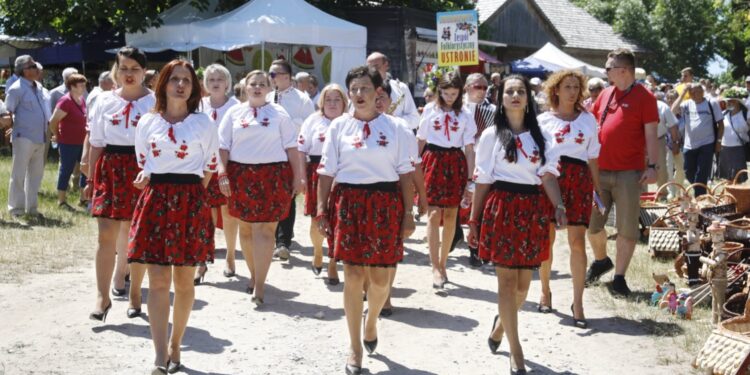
(366, 131)
(255, 112)
(170, 134)
(519, 146)
(565, 130)
(126, 113)
(214, 115)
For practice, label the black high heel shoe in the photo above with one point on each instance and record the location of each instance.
(516, 371)
(546, 309)
(118, 292)
(316, 270)
(102, 316)
(580, 323)
(159, 370)
(174, 367)
(229, 273)
(201, 275)
(370, 345)
(353, 369)
(494, 345)
(133, 312)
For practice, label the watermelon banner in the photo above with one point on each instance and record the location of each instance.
(458, 38)
(315, 60)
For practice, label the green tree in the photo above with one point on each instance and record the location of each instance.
(733, 35)
(75, 20)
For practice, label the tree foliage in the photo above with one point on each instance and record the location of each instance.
(678, 33)
(733, 35)
(75, 20)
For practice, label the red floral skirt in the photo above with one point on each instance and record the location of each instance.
(214, 196)
(311, 194)
(515, 226)
(366, 224)
(577, 190)
(114, 195)
(445, 175)
(172, 225)
(260, 192)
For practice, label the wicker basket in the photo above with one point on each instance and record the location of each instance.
(664, 242)
(740, 192)
(727, 350)
(651, 210)
(738, 230)
(734, 306)
(724, 205)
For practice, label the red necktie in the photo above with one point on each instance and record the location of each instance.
(447, 125)
(366, 131)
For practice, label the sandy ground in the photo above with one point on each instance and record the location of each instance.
(301, 329)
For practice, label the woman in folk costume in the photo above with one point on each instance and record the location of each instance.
(368, 213)
(515, 165)
(446, 141)
(260, 170)
(172, 233)
(217, 82)
(577, 143)
(332, 103)
(113, 121)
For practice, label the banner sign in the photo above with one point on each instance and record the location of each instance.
(458, 38)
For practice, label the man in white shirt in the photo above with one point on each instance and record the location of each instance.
(667, 124)
(400, 94)
(298, 105)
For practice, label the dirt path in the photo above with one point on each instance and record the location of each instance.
(46, 329)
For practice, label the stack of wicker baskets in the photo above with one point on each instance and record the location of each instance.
(727, 350)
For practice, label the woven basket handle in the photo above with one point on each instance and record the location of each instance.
(737, 176)
(694, 185)
(658, 191)
(747, 307)
(722, 184)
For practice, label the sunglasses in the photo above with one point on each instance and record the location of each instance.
(274, 74)
(479, 87)
(614, 67)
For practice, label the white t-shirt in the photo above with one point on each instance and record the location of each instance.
(187, 147)
(699, 127)
(445, 129)
(353, 156)
(491, 165)
(313, 134)
(667, 119)
(295, 102)
(734, 125)
(114, 120)
(257, 135)
(216, 114)
(578, 139)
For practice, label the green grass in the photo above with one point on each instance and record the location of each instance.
(62, 242)
(684, 338)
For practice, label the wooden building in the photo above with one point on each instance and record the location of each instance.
(527, 25)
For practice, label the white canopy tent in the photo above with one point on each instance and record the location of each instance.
(553, 55)
(266, 21)
(176, 32)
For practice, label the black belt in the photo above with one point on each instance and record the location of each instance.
(378, 186)
(260, 164)
(516, 188)
(115, 149)
(315, 158)
(437, 148)
(175, 178)
(568, 159)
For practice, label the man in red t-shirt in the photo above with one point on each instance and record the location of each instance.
(628, 117)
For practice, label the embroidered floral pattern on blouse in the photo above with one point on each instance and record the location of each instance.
(382, 141)
(182, 152)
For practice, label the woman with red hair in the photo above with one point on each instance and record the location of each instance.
(172, 232)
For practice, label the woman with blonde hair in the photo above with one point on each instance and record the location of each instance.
(332, 103)
(218, 84)
(576, 142)
(259, 171)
